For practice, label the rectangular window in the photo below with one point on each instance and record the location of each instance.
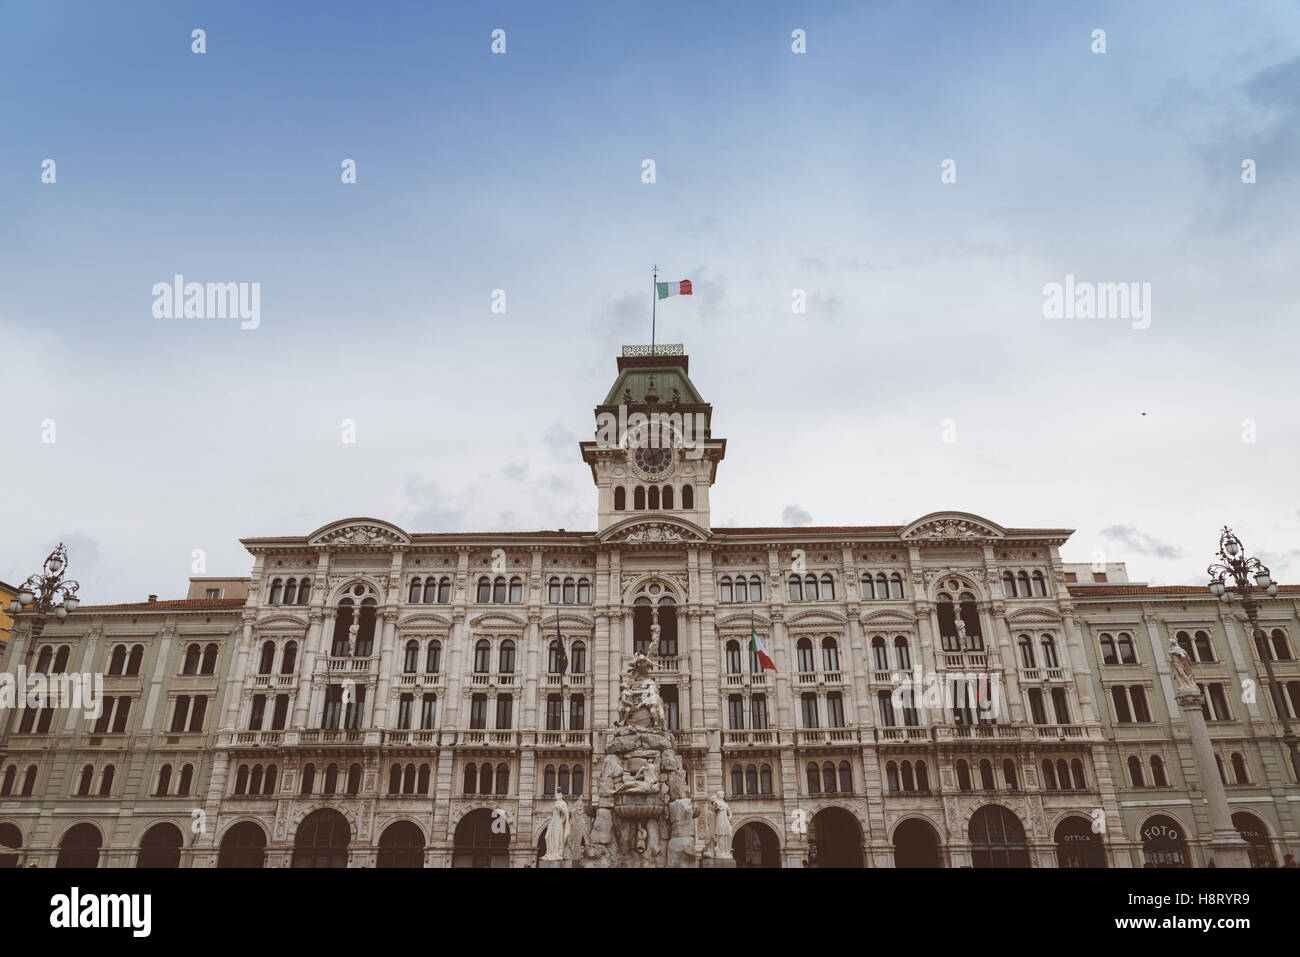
(577, 713)
(1139, 698)
(1037, 713)
(478, 712)
(428, 711)
(1061, 706)
(47, 715)
(505, 711)
(255, 716)
(212, 593)
(886, 704)
(808, 703)
(1119, 696)
(198, 709)
(353, 711)
(672, 712)
(333, 708)
(758, 712)
(736, 712)
(1219, 703)
(554, 713)
(101, 723)
(179, 715)
(404, 706)
(281, 712)
(835, 710)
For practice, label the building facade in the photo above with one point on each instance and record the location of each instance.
(948, 692)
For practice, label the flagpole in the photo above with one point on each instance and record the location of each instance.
(654, 302)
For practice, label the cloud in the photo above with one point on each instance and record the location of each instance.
(794, 515)
(514, 471)
(1140, 542)
(435, 515)
(562, 442)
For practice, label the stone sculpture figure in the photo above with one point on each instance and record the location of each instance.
(654, 639)
(557, 832)
(681, 845)
(1180, 667)
(721, 827)
(963, 641)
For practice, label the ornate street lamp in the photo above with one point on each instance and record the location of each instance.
(1230, 582)
(44, 594)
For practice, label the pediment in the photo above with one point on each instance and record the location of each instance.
(887, 618)
(282, 621)
(952, 526)
(497, 620)
(422, 620)
(1030, 616)
(816, 619)
(361, 532)
(742, 621)
(663, 530)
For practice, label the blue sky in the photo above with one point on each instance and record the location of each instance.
(522, 172)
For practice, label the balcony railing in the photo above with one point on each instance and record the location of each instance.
(411, 738)
(904, 735)
(274, 681)
(832, 736)
(750, 737)
(564, 739)
(479, 737)
(249, 739)
(348, 664)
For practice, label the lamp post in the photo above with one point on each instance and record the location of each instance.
(46, 593)
(1230, 582)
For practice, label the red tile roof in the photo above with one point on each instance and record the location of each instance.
(1151, 591)
(175, 604)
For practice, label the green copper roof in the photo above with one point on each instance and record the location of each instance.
(668, 372)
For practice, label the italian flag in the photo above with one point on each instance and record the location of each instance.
(756, 644)
(666, 289)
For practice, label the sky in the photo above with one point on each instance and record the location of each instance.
(923, 374)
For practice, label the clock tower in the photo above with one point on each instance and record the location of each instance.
(653, 453)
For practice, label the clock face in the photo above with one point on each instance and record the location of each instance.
(653, 462)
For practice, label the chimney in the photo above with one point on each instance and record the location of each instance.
(153, 598)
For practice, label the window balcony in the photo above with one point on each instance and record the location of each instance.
(904, 735)
(481, 738)
(670, 664)
(764, 737)
(427, 680)
(426, 738)
(1055, 732)
(564, 739)
(352, 665)
(331, 737)
(827, 736)
(806, 678)
(267, 681)
(253, 739)
(1039, 674)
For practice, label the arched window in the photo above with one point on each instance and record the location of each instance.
(905, 773)
(277, 592)
(444, 590)
(1008, 585)
(584, 591)
(1040, 586)
(795, 588)
(755, 588)
(737, 780)
(1126, 653)
(814, 778)
(724, 589)
(903, 653)
(482, 656)
(554, 652)
(922, 777)
(668, 496)
(1026, 651)
(309, 779)
(751, 779)
(765, 779)
(11, 772)
(46, 656)
(742, 589)
(417, 590)
(61, 661)
(1063, 774)
(291, 591)
(553, 591)
(471, 778)
(895, 585)
(1022, 585)
(879, 656)
(882, 586)
(209, 665)
(868, 589)
(267, 661)
(1158, 772)
(331, 779)
(499, 590)
(411, 657)
(569, 593)
(422, 780)
(241, 779)
(688, 497)
(484, 593)
(29, 780)
(653, 496)
(1135, 771)
(963, 775)
(1049, 775)
(578, 658)
(289, 659)
(192, 655)
(1009, 773)
(116, 661)
(638, 498)
(1185, 642)
(806, 662)
(1218, 759)
(1108, 655)
(1076, 772)
(891, 776)
(164, 780)
(1239, 769)
(395, 779)
(810, 588)
(828, 588)
(433, 660)
(516, 590)
(304, 591)
(830, 655)
(986, 775)
(828, 777)
(506, 658)
(733, 657)
(1049, 652)
(1281, 649)
(1203, 650)
(620, 498)
(255, 780)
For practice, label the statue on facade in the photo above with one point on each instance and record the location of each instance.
(557, 833)
(717, 822)
(963, 640)
(1180, 667)
(654, 638)
(352, 638)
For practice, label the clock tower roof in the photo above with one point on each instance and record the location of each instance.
(657, 381)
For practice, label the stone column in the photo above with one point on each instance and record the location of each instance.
(240, 670)
(307, 667)
(533, 641)
(700, 682)
(385, 668)
(1226, 844)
